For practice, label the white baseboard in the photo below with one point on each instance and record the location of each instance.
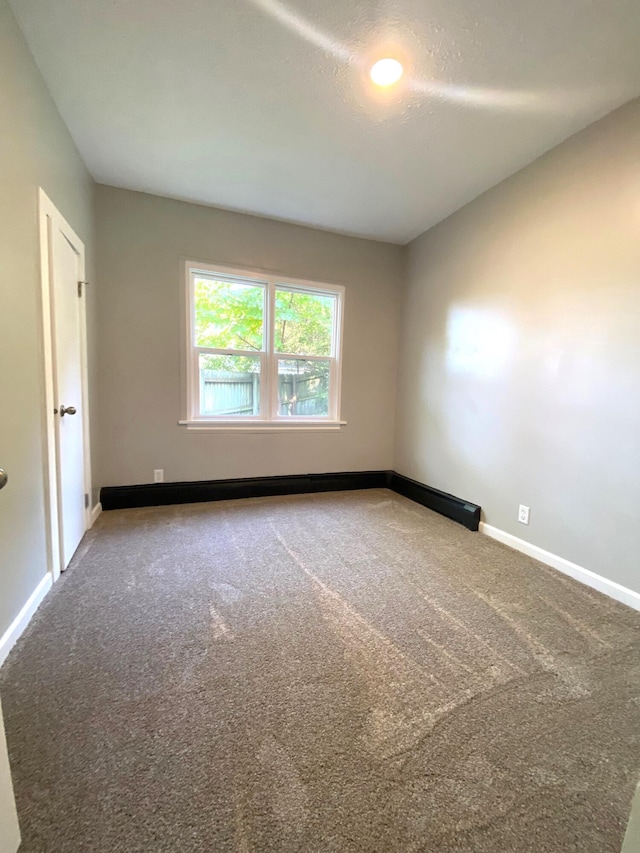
(95, 512)
(610, 588)
(24, 617)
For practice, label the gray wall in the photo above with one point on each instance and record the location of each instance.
(142, 242)
(519, 378)
(35, 150)
(632, 835)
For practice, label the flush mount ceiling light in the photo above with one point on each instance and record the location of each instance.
(386, 72)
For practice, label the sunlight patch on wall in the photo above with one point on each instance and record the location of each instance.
(480, 342)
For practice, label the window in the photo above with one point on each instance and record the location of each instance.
(262, 351)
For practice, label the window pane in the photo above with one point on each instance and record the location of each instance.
(229, 385)
(303, 387)
(304, 323)
(228, 315)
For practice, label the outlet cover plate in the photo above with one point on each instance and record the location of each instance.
(523, 514)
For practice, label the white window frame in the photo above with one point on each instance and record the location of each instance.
(269, 419)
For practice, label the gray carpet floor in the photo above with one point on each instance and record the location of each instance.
(330, 674)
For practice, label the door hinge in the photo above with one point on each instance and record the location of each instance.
(86, 501)
(80, 283)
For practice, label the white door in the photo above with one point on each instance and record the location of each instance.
(9, 831)
(68, 409)
(68, 475)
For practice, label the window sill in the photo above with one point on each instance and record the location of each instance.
(262, 426)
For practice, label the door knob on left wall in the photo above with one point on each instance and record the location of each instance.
(67, 410)
(3, 478)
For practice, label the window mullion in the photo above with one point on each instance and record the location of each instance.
(271, 375)
(333, 390)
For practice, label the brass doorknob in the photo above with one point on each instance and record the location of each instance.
(67, 410)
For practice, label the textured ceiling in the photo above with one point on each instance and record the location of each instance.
(264, 105)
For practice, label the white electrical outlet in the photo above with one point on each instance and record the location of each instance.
(523, 514)
(158, 475)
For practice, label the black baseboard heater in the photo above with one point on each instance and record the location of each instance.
(164, 494)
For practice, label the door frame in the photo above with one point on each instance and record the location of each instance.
(49, 216)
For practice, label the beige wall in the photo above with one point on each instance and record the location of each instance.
(9, 831)
(632, 835)
(519, 378)
(35, 150)
(142, 241)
